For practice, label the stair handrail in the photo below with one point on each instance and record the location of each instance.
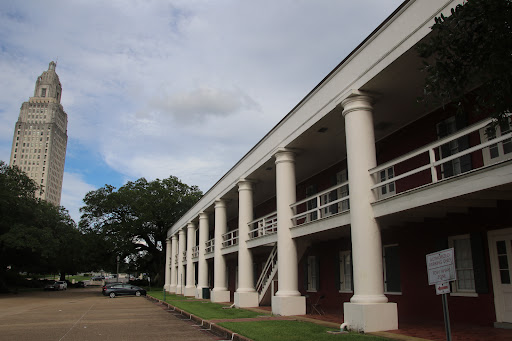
(267, 269)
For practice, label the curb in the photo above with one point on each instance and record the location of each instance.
(203, 324)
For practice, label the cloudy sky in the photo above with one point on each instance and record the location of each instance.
(154, 88)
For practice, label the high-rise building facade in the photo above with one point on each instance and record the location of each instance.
(40, 137)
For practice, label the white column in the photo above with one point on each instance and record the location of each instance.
(174, 249)
(367, 310)
(181, 281)
(220, 292)
(245, 295)
(202, 280)
(168, 256)
(288, 300)
(190, 288)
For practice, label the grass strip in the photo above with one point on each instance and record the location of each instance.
(282, 330)
(204, 309)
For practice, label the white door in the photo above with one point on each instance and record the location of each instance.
(500, 248)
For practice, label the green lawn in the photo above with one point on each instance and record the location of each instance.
(204, 309)
(292, 331)
(266, 330)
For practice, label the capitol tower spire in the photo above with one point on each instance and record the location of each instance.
(40, 136)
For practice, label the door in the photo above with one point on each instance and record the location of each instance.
(500, 248)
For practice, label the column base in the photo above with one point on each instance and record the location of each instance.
(246, 299)
(370, 317)
(167, 287)
(172, 289)
(179, 290)
(190, 291)
(220, 296)
(289, 305)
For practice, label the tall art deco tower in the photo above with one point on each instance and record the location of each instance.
(40, 137)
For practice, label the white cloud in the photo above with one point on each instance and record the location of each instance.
(183, 87)
(192, 105)
(74, 190)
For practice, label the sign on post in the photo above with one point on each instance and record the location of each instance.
(441, 270)
(441, 267)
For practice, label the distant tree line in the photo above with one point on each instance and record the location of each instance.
(131, 223)
(35, 236)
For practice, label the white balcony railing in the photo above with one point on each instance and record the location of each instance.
(433, 167)
(324, 204)
(263, 226)
(230, 238)
(195, 251)
(210, 246)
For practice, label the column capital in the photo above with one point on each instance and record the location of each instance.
(220, 203)
(285, 155)
(168, 241)
(357, 103)
(203, 215)
(191, 225)
(182, 231)
(174, 237)
(245, 184)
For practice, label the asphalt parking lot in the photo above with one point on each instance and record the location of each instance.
(85, 314)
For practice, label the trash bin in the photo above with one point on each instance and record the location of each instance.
(206, 293)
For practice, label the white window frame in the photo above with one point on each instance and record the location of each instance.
(390, 188)
(312, 274)
(455, 291)
(486, 152)
(345, 272)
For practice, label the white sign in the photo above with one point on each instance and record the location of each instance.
(443, 288)
(441, 267)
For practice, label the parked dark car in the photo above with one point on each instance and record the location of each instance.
(122, 289)
(108, 285)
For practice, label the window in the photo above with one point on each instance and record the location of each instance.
(388, 189)
(465, 282)
(336, 194)
(312, 271)
(312, 204)
(345, 264)
(501, 248)
(392, 268)
(459, 165)
(500, 151)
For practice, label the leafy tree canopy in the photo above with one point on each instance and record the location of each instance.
(35, 236)
(471, 50)
(134, 220)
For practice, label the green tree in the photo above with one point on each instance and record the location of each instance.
(135, 219)
(471, 51)
(35, 236)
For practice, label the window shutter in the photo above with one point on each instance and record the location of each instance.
(392, 259)
(317, 269)
(441, 244)
(479, 268)
(351, 268)
(337, 270)
(463, 142)
(306, 260)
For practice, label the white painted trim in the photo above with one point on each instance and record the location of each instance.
(498, 297)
